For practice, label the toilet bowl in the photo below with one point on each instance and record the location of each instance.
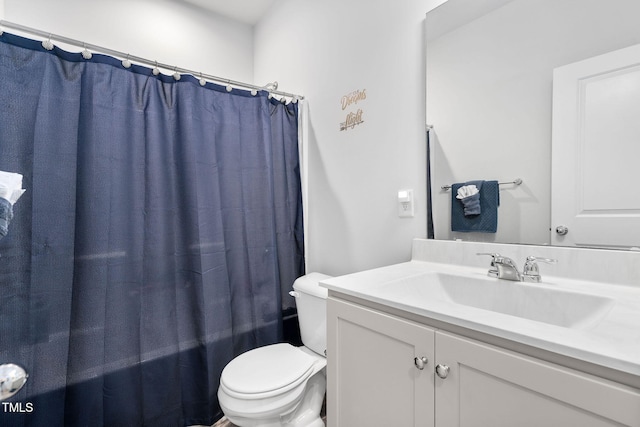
(282, 385)
(276, 385)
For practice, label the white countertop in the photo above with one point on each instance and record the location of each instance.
(613, 340)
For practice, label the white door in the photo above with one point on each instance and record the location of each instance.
(596, 152)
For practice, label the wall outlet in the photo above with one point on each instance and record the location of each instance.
(405, 203)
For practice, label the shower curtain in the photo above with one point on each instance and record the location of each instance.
(159, 235)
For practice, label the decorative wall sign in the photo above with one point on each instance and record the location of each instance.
(353, 118)
(353, 98)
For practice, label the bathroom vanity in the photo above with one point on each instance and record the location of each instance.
(435, 342)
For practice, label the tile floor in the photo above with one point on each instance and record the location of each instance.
(223, 423)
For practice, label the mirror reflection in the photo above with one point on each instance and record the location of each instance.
(490, 68)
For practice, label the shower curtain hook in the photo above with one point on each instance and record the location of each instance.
(202, 80)
(156, 70)
(176, 74)
(254, 91)
(271, 86)
(85, 53)
(126, 63)
(48, 44)
(229, 88)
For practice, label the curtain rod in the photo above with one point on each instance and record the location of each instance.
(271, 87)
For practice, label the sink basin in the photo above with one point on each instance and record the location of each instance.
(529, 301)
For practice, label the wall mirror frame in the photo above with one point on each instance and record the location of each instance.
(489, 90)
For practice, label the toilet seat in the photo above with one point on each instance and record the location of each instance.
(267, 371)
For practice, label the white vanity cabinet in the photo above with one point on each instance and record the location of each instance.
(374, 380)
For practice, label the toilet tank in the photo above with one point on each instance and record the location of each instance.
(311, 301)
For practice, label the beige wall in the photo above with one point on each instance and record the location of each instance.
(325, 50)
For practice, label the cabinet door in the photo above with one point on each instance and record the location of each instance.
(488, 386)
(372, 377)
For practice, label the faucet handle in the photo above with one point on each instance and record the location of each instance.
(531, 271)
(492, 255)
(493, 271)
(547, 260)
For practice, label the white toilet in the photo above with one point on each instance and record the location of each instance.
(279, 384)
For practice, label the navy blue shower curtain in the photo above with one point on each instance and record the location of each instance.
(158, 237)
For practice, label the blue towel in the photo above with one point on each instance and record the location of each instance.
(471, 204)
(487, 220)
(6, 214)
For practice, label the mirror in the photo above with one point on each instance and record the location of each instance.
(489, 79)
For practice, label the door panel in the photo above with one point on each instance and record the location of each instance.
(372, 379)
(595, 151)
(488, 386)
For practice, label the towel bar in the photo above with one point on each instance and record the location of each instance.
(516, 181)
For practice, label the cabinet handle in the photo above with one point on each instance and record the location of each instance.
(420, 362)
(442, 371)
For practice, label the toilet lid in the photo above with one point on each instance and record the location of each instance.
(266, 369)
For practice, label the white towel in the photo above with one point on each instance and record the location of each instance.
(11, 186)
(466, 191)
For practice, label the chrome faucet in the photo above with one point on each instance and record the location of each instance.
(505, 268)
